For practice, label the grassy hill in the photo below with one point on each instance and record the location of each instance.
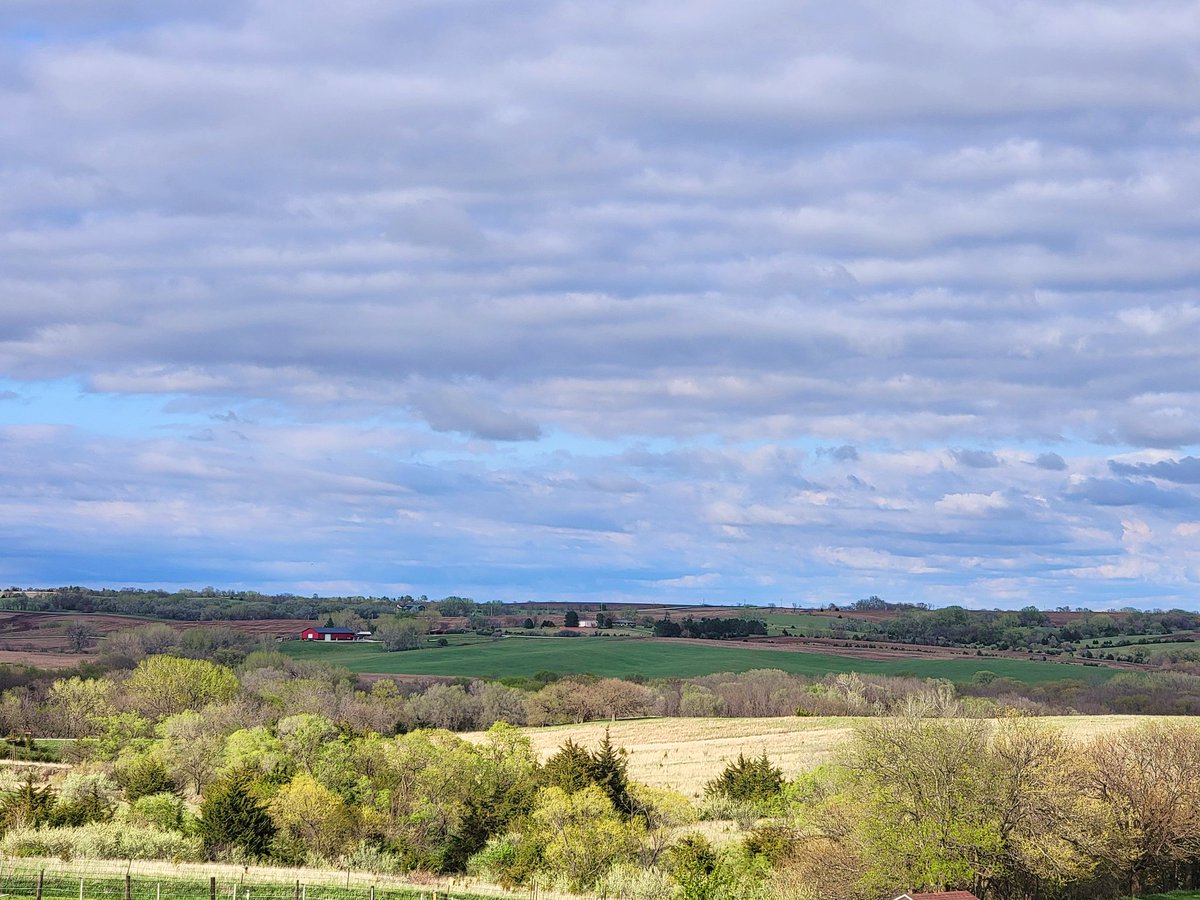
(518, 655)
(684, 754)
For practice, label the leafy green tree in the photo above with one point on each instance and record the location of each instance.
(191, 748)
(161, 686)
(255, 749)
(78, 706)
(504, 769)
(304, 737)
(457, 606)
(401, 634)
(583, 835)
(231, 816)
(927, 808)
(307, 812)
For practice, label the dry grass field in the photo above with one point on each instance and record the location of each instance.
(684, 754)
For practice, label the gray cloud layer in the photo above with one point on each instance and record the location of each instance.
(764, 296)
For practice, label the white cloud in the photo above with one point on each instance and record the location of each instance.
(509, 284)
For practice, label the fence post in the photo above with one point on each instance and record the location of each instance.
(372, 892)
(41, 878)
(296, 892)
(128, 891)
(81, 888)
(212, 888)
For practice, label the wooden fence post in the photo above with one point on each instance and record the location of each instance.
(212, 888)
(296, 892)
(41, 879)
(128, 887)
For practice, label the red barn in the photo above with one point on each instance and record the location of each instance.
(327, 634)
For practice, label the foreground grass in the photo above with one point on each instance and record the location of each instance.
(191, 881)
(622, 657)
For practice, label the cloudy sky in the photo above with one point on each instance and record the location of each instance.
(787, 302)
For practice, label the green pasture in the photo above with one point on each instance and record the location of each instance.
(1159, 648)
(776, 621)
(524, 656)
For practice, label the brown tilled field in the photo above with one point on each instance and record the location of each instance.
(40, 639)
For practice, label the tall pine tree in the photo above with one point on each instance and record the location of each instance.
(231, 816)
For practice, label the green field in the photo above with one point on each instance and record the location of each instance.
(524, 656)
(777, 621)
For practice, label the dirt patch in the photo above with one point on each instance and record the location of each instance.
(44, 659)
(35, 634)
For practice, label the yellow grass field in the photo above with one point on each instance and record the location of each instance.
(684, 754)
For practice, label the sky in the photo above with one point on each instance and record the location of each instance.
(770, 302)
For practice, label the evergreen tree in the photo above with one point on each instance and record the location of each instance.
(571, 619)
(90, 806)
(609, 774)
(570, 768)
(144, 777)
(755, 780)
(29, 805)
(231, 816)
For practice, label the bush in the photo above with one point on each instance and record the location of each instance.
(754, 780)
(144, 776)
(511, 860)
(102, 840)
(161, 811)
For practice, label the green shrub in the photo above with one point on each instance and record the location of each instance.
(144, 775)
(162, 811)
(754, 780)
(101, 840)
(511, 860)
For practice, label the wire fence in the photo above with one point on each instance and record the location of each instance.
(96, 880)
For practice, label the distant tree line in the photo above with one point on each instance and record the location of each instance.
(712, 629)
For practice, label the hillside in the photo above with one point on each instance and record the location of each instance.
(683, 754)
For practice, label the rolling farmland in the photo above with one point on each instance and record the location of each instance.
(620, 657)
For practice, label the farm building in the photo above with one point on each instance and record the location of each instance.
(940, 895)
(327, 634)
